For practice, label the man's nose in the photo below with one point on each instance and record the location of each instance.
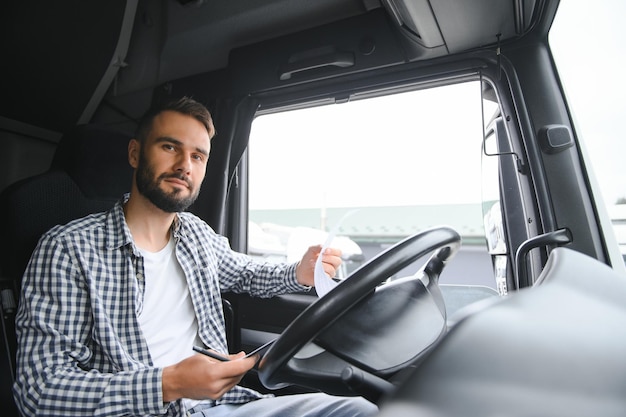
(183, 163)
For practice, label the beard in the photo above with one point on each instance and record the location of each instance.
(148, 186)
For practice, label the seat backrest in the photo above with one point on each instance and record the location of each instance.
(88, 174)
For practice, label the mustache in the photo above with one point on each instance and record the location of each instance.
(177, 176)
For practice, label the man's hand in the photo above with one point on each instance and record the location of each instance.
(331, 259)
(200, 377)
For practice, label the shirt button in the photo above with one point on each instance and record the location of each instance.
(140, 276)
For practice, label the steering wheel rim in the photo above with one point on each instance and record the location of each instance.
(337, 302)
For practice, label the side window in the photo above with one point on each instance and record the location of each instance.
(384, 168)
(597, 101)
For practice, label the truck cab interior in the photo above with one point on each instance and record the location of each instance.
(416, 327)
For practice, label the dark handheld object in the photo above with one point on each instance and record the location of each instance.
(210, 354)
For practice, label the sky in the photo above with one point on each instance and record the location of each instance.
(348, 153)
(330, 137)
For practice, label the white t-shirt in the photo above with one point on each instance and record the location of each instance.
(168, 320)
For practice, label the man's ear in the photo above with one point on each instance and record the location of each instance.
(133, 152)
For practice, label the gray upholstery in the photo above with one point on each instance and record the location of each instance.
(89, 172)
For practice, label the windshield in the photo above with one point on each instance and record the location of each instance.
(373, 171)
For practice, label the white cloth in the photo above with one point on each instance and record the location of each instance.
(168, 320)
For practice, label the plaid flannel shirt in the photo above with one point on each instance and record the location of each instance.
(81, 351)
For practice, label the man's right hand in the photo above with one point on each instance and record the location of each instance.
(200, 377)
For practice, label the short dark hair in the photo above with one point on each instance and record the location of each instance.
(183, 105)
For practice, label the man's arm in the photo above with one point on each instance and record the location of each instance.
(61, 370)
(242, 274)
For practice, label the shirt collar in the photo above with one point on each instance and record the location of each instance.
(117, 231)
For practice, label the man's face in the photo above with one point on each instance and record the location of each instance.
(172, 162)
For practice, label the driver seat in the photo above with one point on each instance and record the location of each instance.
(89, 173)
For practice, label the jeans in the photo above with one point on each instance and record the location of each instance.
(300, 405)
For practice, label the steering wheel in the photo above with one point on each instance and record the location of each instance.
(356, 338)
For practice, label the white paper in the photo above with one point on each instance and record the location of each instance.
(323, 282)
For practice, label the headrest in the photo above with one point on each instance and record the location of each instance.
(89, 172)
(96, 158)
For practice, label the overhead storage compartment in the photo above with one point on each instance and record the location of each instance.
(459, 25)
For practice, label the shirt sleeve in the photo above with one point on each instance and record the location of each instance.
(241, 273)
(57, 369)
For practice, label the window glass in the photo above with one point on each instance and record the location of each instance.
(372, 171)
(591, 76)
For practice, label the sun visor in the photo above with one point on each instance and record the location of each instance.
(459, 25)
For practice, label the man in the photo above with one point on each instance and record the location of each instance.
(112, 304)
